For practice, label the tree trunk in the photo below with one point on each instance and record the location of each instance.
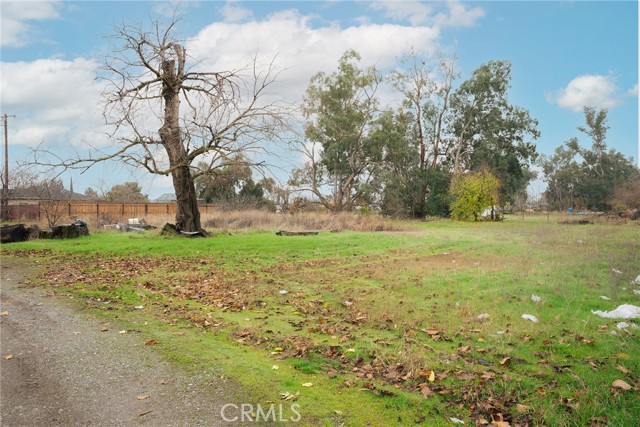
(187, 214)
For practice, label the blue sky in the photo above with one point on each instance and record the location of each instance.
(564, 55)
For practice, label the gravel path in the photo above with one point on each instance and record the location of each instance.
(59, 369)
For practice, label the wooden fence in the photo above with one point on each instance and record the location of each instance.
(107, 212)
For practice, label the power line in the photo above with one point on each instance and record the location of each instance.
(5, 187)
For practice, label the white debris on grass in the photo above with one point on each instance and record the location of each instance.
(347, 303)
(636, 281)
(456, 420)
(605, 298)
(483, 316)
(535, 298)
(283, 292)
(531, 317)
(616, 271)
(622, 325)
(139, 307)
(624, 311)
(636, 291)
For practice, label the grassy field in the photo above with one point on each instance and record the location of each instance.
(382, 328)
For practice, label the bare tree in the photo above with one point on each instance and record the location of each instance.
(149, 78)
(53, 200)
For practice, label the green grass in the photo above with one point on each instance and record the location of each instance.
(367, 316)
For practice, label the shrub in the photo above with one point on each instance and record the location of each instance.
(472, 193)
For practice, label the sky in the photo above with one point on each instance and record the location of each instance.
(564, 55)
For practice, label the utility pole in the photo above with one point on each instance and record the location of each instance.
(5, 186)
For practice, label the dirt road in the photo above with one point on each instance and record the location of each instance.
(59, 369)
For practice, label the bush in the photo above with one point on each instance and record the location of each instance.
(472, 193)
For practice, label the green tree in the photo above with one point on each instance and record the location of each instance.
(472, 193)
(587, 176)
(91, 193)
(231, 185)
(416, 183)
(488, 131)
(129, 192)
(340, 109)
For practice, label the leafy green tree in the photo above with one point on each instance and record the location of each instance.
(231, 184)
(341, 108)
(91, 193)
(488, 131)
(588, 177)
(472, 193)
(129, 192)
(416, 183)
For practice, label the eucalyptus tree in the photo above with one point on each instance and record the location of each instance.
(589, 175)
(488, 131)
(339, 108)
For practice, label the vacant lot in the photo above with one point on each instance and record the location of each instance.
(383, 328)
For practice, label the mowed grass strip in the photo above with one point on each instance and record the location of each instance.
(385, 325)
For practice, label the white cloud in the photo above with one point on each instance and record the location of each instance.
(589, 90)
(302, 49)
(54, 100)
(231, 12)
(16, 17)
(451, 13)
(633, 91)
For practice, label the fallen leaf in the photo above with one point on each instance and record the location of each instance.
(307, 384)
(481, 339)
(338, 412)
(426, 391)
(104, 329)
(275, 367)
(623, 369)
(143, 397)
(285, 395)
(8, 356)
(522, 408)
(432, 376)
(124, 331)
(151, 342)
(4, 313)
(621, 384)
(505, 360)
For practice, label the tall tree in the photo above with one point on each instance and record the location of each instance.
(489, 131)
(422, 187)
(129, 192)
(169, 115)
(591, 175)
(340, 109)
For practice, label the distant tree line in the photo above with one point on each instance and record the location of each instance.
(451, 147)
(405, 160)
(598, 178)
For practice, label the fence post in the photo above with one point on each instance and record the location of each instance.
(39, 210)
(97, 210)
(69, 209)
(146, 209)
